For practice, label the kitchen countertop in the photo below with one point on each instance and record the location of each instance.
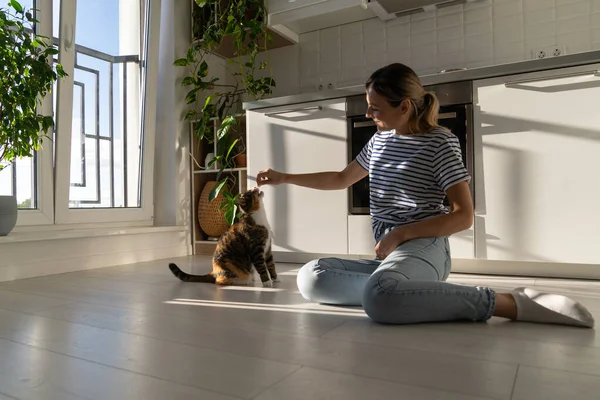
(569, 60)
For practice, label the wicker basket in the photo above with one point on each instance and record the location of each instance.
(211, 219)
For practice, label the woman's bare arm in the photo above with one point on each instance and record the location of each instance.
(459, 219)
(319, 180)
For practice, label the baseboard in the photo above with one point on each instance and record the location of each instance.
(527, 269)
(40, 258)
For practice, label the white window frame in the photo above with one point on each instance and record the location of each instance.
(43, 214)
(143, 215)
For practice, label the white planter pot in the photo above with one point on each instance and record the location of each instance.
(8, 214)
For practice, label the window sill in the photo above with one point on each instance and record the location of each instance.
(19, 236)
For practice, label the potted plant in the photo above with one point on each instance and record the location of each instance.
(240, 158)
(238, 26)
(27, 77)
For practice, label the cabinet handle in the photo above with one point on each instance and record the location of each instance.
(317, 108)
(547, 78)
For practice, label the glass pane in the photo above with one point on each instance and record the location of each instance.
(19, 178)
(27, 4)
(106, 139)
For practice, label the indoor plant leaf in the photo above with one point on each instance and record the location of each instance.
(216, 190)
(16, 5)
(181, 62)
(231, 148)
(230, 214)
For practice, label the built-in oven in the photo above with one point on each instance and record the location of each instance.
(456, 114)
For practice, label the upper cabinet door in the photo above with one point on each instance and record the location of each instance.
(302, 138)
(537, 166)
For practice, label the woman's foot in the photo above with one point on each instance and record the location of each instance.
(529, 305)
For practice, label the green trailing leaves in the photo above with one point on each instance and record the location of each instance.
(228, 155)
(214, 193)
(27, 77)
(190, 114)
(182, 62)
(230, 213)
(230, 205)
(214, 106)
(227, 124)
(188, 80)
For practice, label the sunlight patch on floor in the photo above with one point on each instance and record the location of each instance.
(306, 308)
(291, 272)
(252, 288)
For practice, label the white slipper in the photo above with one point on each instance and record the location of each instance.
(549, 308)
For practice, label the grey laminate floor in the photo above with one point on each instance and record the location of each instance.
(135, 332)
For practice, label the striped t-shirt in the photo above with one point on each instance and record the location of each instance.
(409, 174)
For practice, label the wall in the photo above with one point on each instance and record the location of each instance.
(285, 66)
(478, 34)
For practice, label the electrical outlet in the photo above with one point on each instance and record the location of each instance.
(558, 51)
(550, 51)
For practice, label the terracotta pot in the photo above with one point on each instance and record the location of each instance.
(240, 160)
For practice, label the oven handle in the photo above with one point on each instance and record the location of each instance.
(447, 115)
(364, 124)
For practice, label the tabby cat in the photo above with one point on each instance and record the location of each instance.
(245, 246)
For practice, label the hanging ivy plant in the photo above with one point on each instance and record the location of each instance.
(240, 23)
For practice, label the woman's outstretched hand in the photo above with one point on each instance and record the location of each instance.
(269, 177)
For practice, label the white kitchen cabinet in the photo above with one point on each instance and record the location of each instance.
(361, 241)
(537, 166)
(301, 16)
(303, 138)
(462, 244)
(360, 236)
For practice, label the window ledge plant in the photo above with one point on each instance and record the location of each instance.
(242, 23)
(27, 77)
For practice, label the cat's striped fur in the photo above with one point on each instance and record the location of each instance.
(245, 246)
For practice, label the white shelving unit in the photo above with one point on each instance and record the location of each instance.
(200, 175)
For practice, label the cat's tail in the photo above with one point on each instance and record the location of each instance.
(185, 277)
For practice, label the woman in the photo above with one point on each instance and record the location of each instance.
(413, 164)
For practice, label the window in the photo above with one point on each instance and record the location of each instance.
(30, 179)
(19, 179)
(99, 166)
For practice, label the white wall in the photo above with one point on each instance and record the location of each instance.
(285, 68)
(483, 33)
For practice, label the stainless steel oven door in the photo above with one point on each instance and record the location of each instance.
(454, 121)
(360, 131)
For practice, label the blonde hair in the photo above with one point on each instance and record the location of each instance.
(398, 82)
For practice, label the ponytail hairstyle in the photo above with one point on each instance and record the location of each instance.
(397, 82)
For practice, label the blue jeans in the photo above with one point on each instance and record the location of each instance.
(407, 287)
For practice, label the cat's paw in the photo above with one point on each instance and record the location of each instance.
(267, 284)
(277, 280)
